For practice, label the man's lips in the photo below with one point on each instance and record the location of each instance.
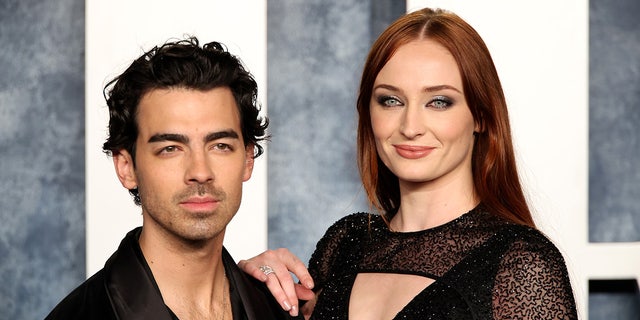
(200, 204)
(412, 152)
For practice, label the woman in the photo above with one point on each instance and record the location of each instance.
(454, 238)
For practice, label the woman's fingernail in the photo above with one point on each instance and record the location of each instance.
(294, 311)
(287, 306)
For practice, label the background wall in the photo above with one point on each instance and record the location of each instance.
(41, 154)
(614, 115)
(614, 145)
(570, 74)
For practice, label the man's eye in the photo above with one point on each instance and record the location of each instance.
(169, 149)
(222, 147)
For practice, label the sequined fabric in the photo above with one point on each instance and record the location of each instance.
(484, 268)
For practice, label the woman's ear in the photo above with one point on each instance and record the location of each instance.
(478, 127)
(125, 169)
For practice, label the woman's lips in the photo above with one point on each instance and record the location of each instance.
(412, 152)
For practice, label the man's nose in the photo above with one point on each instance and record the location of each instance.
(199, 168)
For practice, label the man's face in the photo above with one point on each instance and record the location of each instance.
(190, 162)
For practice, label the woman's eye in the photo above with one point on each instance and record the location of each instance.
(389, 101)
(440, 103)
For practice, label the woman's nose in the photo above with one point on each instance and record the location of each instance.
(412, 125)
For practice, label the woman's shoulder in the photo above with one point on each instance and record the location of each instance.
(356, 221)
(527, 235)
(351, 229)
(533, 265)
(525, 241)
(501, 230)
(339, 246)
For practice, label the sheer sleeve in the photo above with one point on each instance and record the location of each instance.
(532, 282)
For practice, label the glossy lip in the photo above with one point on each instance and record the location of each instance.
(412, 152)
(200, 204)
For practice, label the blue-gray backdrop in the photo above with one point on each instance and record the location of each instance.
(42, 172)
(614, 144)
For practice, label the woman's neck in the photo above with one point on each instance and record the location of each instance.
(427, 205)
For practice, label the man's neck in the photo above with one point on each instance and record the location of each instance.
(190, 276)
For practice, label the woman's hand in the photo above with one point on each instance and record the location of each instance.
(274, 267)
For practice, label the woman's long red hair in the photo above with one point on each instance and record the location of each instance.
(495, 175)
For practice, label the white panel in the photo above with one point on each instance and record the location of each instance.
(540, 49)
(118, 32)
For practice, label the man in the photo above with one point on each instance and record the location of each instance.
(184, 131)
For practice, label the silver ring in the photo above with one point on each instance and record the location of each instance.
(267, 270)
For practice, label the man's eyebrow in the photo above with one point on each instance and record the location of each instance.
(180, 138)
(169, 137)
(229, 133)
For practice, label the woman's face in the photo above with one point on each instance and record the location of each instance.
(421, 123)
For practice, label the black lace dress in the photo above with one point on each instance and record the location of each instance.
(484, 268)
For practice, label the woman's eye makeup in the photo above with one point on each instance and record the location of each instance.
(388, 101)
(440, 102)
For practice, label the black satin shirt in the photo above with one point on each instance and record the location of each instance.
(125, 289)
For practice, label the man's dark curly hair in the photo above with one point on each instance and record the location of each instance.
(180, 64)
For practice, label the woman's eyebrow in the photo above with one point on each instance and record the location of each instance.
(440, 88)
(426, 89)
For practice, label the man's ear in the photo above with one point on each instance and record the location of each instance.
(249, 161)
(125, 169)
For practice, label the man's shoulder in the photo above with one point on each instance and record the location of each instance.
(88, 301)
(251, 295)
(270, 306)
